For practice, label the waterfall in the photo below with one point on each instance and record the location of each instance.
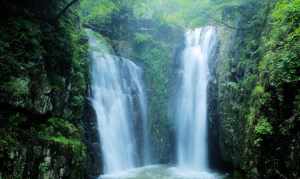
(191, 104)
(119, 101)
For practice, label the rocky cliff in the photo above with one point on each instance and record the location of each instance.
(42, 88)
(257, 96)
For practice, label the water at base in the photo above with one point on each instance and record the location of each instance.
(162, 172)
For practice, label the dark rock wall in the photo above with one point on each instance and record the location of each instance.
(256, 93)
(43, 80)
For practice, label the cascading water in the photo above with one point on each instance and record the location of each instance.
(120, 103)
(191, 104)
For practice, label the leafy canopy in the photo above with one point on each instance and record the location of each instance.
(186, 13)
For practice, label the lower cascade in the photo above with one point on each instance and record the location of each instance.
(120, 102)
(191, 103)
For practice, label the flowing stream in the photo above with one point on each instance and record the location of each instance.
(119, 100)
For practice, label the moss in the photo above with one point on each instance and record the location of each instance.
(65, 141)
(64, 133)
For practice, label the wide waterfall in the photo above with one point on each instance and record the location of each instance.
(191, 104)
(119, 101)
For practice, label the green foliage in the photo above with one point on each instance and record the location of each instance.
(281, 61)
(16, 87)
(97, 10)
(260, 96)
(64, 133)
(287, 10)
(260, 82)
(20, 55)
(184, 13)
(156, 58)
(42, 66)
(141, 38)
(263, 127)
(258, 90)
(65, 141)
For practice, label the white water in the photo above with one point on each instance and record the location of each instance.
(161, 172)
(191, 104)
(120, 103)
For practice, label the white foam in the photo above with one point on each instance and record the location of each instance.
(162, 172)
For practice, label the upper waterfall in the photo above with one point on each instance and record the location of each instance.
(191, 102)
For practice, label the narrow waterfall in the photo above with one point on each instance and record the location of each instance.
(191, 104)
(119, 101)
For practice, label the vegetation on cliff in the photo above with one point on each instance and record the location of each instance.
(258, 90)
(255, 96)
(42, 88)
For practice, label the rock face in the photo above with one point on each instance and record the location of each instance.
(92, 140)
(42, 90)
(257, 97)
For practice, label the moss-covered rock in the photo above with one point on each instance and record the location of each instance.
(258, 89)
(43, 75)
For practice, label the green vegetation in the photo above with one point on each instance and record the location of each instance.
(280, 62)
(183, 13)
(17, 87)
(259, 114)
(156, 57)
(257, 71)
(44, 75)
(263, 127)
(63, 133)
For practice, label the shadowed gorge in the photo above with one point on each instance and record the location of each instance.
(149, 89)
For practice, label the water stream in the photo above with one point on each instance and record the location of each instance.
(119, 100)
(191, 104)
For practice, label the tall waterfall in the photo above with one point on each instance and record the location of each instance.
(119, 100)
(191, 104)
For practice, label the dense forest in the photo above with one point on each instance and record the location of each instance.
(57, 83)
